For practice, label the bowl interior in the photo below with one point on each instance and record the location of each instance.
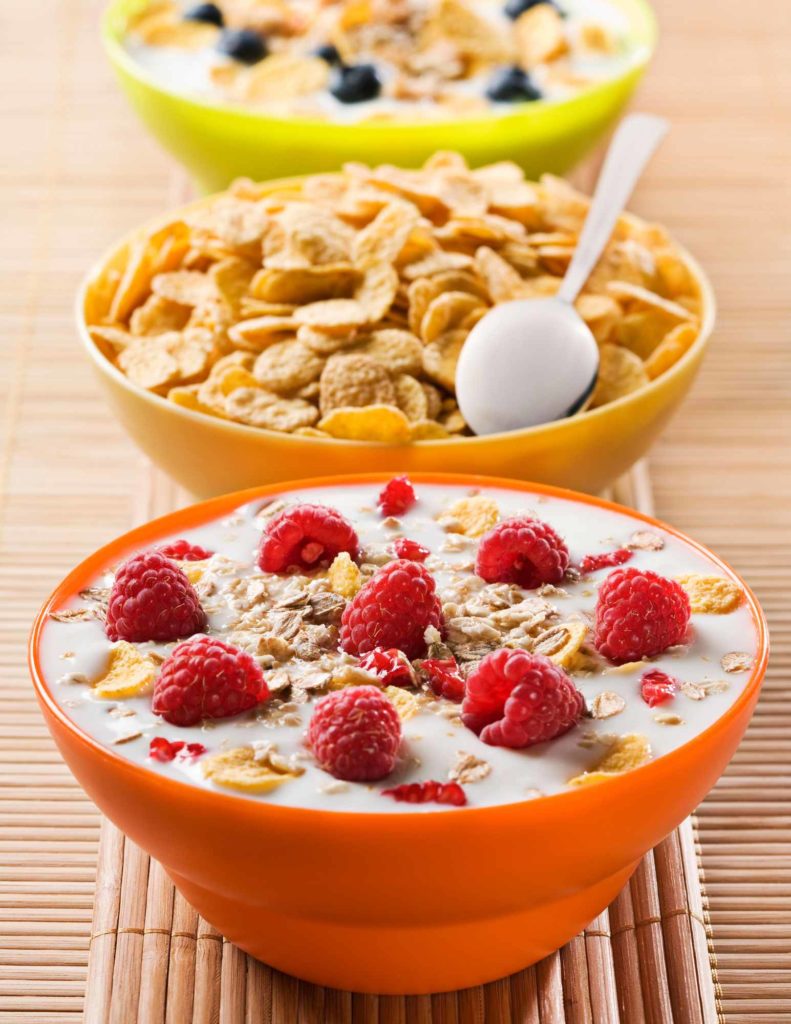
(205, 512)
(92, 303)
(641, 36)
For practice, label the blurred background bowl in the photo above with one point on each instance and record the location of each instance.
(210, 456)
(217, 143)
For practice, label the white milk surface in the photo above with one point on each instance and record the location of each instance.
(188, 72)
(432, 742)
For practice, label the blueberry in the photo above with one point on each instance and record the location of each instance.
(328, 53)
(243, 44)
(210, 13)
(356, 83)
(514, 8)
(508, 85)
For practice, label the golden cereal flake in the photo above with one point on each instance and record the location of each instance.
(561, 643)
(240, 769)
(447, 312)
(383, 423)
(711, 595)
(441, 357)
(627, 752)
(540, 35)
(471, 516)
(672, 347)
(302, 285)
(129, 673)
(620, 373)
(410, 397)
(287, 365)
(397, 350)
(344, 576)
(406, 704)
(354, 379)
(260, 408)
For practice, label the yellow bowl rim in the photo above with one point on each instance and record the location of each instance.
(243, 430)
(644, 51)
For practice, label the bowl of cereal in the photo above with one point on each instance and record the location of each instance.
(513, 690)
(318, 321)
(274, 89)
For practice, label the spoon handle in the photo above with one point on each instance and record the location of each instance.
(634, 143)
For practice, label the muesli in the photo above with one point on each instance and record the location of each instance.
(363, 60)
(376, 649)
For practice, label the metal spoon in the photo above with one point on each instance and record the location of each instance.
(531, 361)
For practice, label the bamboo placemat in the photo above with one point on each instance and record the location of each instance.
(77, 172)
(646, 958)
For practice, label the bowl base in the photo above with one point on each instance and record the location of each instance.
(402, 960)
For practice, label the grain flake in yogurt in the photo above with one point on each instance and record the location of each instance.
(354, 60)
(289, 623)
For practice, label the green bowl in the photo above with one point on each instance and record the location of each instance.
(217, 143)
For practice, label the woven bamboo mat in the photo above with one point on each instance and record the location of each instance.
(76, 173)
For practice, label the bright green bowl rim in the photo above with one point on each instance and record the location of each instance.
(643, 36)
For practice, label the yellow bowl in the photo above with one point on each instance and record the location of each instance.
(210, 456)
(217, 143)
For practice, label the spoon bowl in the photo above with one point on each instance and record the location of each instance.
(532, 361)
(549, 373)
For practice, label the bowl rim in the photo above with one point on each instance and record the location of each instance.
(104, 365)
(205, 511)
(644, 41)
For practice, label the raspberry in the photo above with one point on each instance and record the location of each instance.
(183, 551)
(522, 550)
(406, 548)
(355, 734)
(444, 678)
(393, 609)
(164, 750)
(152, 599)
(638, 614)
(306, 537)
(425, 792)
(656, 687)
(590, 563)
(396, 497)
(516, 699)
(391, 667)
(207, 678)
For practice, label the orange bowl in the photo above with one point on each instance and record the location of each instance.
(394, 903)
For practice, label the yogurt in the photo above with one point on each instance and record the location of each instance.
(425, 65)
(74, 652)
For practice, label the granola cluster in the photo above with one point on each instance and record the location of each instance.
(381, 58)
(337, 306)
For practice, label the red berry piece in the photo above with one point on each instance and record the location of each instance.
(306, 537)
(516, 699)
(152, 599)
(406, 548)
(605, 560)
(207, 678)
(639, 614)
(656, 687)
(522, 550)
(355, 734)
(393, 609)
(444, 678)
(183, 551)
(164, 750)
(392, 667)
(396, 497)
(428, 792)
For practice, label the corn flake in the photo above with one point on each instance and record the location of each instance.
(344, 576)
(712, 595)
(240, 769)
(470, 516)
(628, 752)
(129, 673)
(383, 423)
